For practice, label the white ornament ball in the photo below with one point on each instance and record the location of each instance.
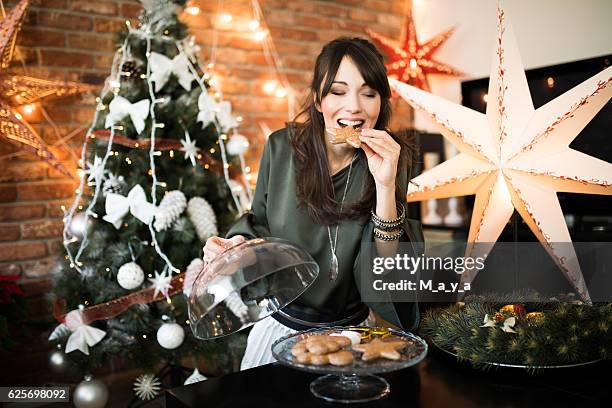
(170, 335)
(238, 144)
(58, 361)
(90, 393)
(130, 276)
(79, 224)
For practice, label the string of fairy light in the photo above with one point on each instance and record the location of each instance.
(278, 86)
(255, 28)
(113, 84)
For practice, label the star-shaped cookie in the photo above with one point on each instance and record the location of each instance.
(378, 348)
(346, 134)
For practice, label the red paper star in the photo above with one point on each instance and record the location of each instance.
(410, 62)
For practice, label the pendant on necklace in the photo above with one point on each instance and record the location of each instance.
(333, 268)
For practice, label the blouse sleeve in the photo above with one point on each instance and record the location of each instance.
(403, 314)
(254, 223)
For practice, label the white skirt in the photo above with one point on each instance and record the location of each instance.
(263, 334)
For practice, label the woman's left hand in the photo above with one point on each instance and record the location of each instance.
(383, 155)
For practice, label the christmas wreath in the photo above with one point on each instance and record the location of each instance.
(531, 334)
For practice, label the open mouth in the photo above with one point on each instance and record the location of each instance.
(356, 124)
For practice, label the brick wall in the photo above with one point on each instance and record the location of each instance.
(66, 40)
(74, 40)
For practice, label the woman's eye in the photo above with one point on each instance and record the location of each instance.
(370, 95)
(337, 93)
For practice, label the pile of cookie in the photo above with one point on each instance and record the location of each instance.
(334, 348)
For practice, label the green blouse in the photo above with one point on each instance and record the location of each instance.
(274, 213)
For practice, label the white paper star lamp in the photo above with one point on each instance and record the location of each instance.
(516, 157)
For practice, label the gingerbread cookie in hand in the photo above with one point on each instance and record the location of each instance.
(348, 135)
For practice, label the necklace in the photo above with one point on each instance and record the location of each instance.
(333, 268)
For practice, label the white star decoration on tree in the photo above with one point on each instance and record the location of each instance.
(161, 283)
(516, 157)
(190, 149)
(95, 170)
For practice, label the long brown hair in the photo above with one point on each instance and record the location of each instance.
(315, 191)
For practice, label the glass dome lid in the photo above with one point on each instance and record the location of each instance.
(247, 283)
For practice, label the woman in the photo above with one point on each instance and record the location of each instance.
(306, 184)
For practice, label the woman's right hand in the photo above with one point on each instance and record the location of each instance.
(216, 245)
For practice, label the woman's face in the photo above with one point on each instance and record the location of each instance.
(350, 101)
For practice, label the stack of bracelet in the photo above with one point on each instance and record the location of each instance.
(389, 230)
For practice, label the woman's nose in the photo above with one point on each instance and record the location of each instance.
(353, 105)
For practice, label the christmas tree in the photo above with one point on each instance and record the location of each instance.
(158, 179)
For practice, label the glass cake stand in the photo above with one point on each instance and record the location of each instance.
(357, 381)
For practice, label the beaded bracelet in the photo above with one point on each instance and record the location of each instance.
(387, 225)
(385, 236)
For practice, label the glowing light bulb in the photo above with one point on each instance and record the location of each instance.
(485, 98)
(226, 18)
(413, 63)
(281, 93)
(261, 35)
(193, 10)
(253, 25)
(550, 81)
(269, 87)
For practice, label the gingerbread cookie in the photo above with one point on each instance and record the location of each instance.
(322, 349)
(354, 337)
(347, 135)
(342, 341)
(314, 359)
(340, 358)
(299, 348)
(378, 348)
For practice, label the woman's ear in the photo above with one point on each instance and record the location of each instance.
(316, 105)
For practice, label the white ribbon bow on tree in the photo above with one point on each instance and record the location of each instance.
(162, 67)
(117, 206)
(120, 107)
(224, 116)
(209, 110)
(206, 106)
(83, 336)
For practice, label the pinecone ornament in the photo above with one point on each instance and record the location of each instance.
(192, 272)
(171, 207)
(202, 217)
(113, 184)
(130, 69)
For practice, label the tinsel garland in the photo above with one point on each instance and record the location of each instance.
(560, 333)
